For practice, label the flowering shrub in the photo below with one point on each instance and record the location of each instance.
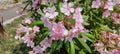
(71, 27)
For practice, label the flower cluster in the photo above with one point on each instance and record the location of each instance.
(58, 30)
(108, 9)
(108, 43)
(29, 34)
(64, 20)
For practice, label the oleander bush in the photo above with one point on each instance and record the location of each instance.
(71, 27)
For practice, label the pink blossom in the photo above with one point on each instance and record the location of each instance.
(72, 33)
(96, 4)
(78, 18)
(30, 52)
(105, 52)
(116, 18)
(118, 44)
(23, 29)
(38, 50)
(30, 43)
(67, 8)
(47, 23)
(106, 13)
(50, 12)
(46, 42)
(36, 29)
(57, 31)
(27, 39)
(79, 25)
(109, 5)
(99, 46)
(115, 51)
(27, 21)
(34, 3)
(77, 15)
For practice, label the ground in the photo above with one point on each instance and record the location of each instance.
(8, 44)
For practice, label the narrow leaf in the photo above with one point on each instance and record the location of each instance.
(72, 47)
(84, 45)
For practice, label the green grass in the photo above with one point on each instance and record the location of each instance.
(8, 44)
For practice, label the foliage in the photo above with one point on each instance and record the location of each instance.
(71, 27)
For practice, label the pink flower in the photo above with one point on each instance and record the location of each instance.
(30, 43)
(34, 3)
(96, 4)
(27, 21)
(67, 8)
(50, 12)
(106, 13)
(38, 50)
(27, 39)
(57, 31)
(99, 46)
(105, 52)
(77, 15)
(46, 42)
(23, 29)
(116, 18)
(47, 23)
(36, 29)
(115, 51)
(109, 5)
(78, 18)
(30, 52)
(118, 44)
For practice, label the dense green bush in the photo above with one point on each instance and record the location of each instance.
(71, 27)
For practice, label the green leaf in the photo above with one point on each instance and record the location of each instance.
(84, 45)
(72, 47)
(87, 36)
(76, 47)
(43, 36)
(105, 28)
(81, 52)
(71, 21)
(36, 23)
(85, 23)
(85, 18)
(53, 47)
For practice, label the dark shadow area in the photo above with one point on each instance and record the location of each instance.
(21, 49)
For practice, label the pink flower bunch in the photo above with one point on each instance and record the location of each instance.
(50, 12)
(29, 34)
(40, 49)
(96, 4)
(108, 8)
(108, 43)
(116, 18)
(58, 31)
(67, 8)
